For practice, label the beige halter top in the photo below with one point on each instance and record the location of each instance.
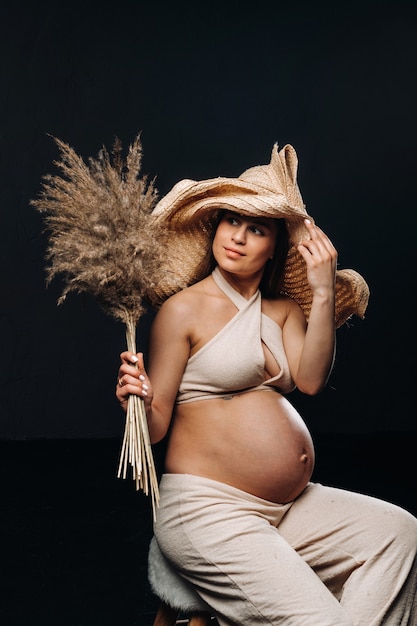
(233, 361)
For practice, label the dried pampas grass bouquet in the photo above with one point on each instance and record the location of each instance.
(102, 240)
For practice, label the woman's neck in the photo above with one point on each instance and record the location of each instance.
(246, 286)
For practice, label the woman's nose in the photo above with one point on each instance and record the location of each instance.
(239, 235)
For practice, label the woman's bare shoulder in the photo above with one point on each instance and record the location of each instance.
(184, 302)
(281, 308)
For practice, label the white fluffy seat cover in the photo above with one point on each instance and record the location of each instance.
(168, 585)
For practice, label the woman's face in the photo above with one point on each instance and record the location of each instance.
(243, 244)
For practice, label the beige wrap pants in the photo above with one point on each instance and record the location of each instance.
(329, 558)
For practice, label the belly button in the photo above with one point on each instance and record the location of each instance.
(304, 458)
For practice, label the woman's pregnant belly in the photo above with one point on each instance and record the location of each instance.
(254, 441)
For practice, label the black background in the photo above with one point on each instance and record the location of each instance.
(210, 87)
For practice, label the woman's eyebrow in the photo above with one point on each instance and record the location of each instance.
(260, 223)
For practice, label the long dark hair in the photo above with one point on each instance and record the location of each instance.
(273, 275)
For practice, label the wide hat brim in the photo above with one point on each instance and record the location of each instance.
(189, 213)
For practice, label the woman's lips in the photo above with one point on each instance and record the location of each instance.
(231, 252)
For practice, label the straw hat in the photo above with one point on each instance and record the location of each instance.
(190, 210)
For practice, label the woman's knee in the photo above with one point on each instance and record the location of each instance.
(400, 531)
(407, 531)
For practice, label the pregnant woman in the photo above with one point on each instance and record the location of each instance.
(251, 301)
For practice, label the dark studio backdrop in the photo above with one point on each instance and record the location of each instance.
(211, 86)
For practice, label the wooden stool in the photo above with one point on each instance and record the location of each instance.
(177, 596)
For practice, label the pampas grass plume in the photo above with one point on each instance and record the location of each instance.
(102, 240)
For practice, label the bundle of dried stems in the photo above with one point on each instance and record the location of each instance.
(102, 241)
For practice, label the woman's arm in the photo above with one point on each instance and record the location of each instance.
(311, 348)
(169, 349)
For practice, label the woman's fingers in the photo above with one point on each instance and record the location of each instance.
(129, 358)
(320, 256)
(132, 377)
(319, 242)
